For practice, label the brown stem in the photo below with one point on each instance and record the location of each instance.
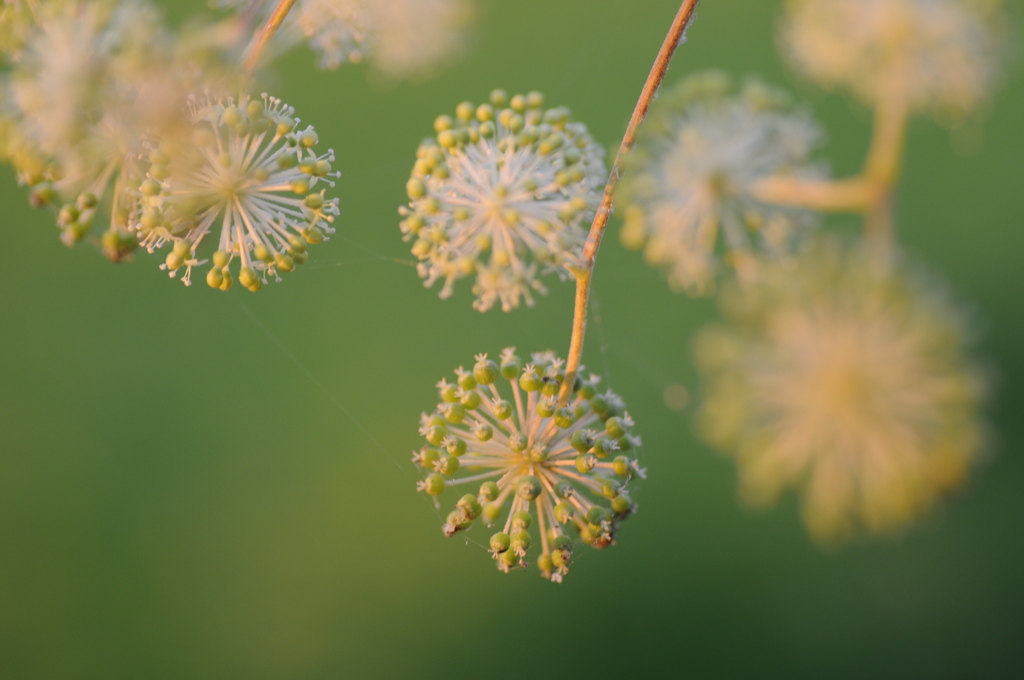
(584, 270)
(262, 39)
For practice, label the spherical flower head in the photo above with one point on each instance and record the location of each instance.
(688, 189)
(248, 171)
(502, 193)
(527, 465)
(937, 54)
(845, 379)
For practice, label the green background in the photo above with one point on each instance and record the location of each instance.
(205, 485)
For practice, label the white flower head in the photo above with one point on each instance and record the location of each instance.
(502, 193)
(91, 80)
(534, 468)
(399, 38)
(247, 172)
(845, 379)
(942, 54)
(688, 188)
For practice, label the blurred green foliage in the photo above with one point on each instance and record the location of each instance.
(205, 485)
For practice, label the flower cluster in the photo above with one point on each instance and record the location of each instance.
(99, 118)
(502, 192)
(89, 79)
(535, 458)
(247, 169)
(846, 379)
(934, 53)
(400, 38)
(690, 182)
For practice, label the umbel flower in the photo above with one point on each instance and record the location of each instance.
(530, 467)
(91, 79)
(399, 38)
(502, 192)
(247, 171)
(688, 189)
(845, 379)
(941, 54)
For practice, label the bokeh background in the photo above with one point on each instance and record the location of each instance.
(205, 485)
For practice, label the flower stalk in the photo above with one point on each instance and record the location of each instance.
(266, 32)
(584, 270)
(870, 193)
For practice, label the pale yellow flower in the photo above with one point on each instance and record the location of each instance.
(846, 380)
(942, 54)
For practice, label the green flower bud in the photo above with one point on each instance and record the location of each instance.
(500, 542)
(621, 466)
(483, 432)
(508, 559)
(585, 462)
(510, 368)
(491, 512)
(530, 380)
(582, 440)
(621, 505)
(434, 485)
(503, 410)
(447, 464)
(455, 522)
(471, 400)
(517, 442)
(455, 446)
(563, 513)
(520, 542)
(597, 515)
(610, 488)
(455, 413)
(522, 520)
(604, 446)
(614, 427)
(489, 491)
(485, 371)
(449, 393)
(470, 506)
(427, 457)
(564, 418)
(528, 487)
(436, 434)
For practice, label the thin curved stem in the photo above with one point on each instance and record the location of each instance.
(262, 38)
(585, 268)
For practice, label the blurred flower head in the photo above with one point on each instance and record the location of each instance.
(399, 38)
(528, 466)
(503, 193)
(91, 80)
(846, 379)
(246, 170)
(937, 54)
(687, 191)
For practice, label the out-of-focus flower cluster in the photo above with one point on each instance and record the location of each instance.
(936, 54)
(687, 193)
(399, 38)
(503, 192)
(131, 134)
(845, 378)
(530, 462)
